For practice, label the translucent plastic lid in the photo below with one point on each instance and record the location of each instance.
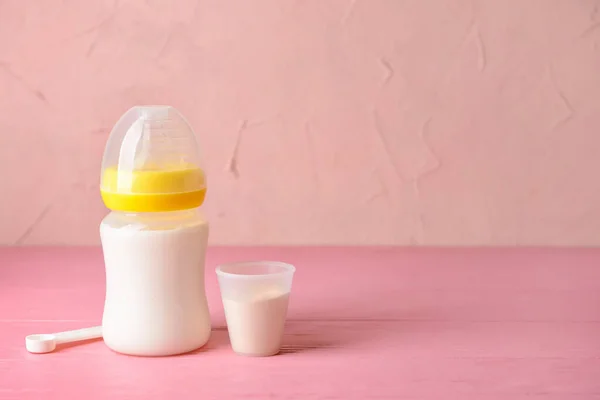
(152, 163)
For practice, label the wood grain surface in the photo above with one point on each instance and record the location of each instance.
(364, 323)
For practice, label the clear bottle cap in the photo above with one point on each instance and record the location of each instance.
(152, 163)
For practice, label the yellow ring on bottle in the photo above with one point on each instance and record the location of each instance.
(153, 190)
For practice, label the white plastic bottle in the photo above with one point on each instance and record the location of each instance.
(154, 240)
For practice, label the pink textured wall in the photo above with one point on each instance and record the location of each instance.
(322, 121)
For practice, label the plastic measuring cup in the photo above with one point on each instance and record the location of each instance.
(255, 298)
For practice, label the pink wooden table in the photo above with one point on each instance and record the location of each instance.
(363, 324)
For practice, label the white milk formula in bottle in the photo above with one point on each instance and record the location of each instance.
(154, 240)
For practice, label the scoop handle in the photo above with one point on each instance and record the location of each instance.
(79, 334)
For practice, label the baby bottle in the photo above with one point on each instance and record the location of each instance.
(154, 240)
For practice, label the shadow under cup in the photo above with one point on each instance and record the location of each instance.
(255, 298)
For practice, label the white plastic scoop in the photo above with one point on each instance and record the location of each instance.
(46, 342)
